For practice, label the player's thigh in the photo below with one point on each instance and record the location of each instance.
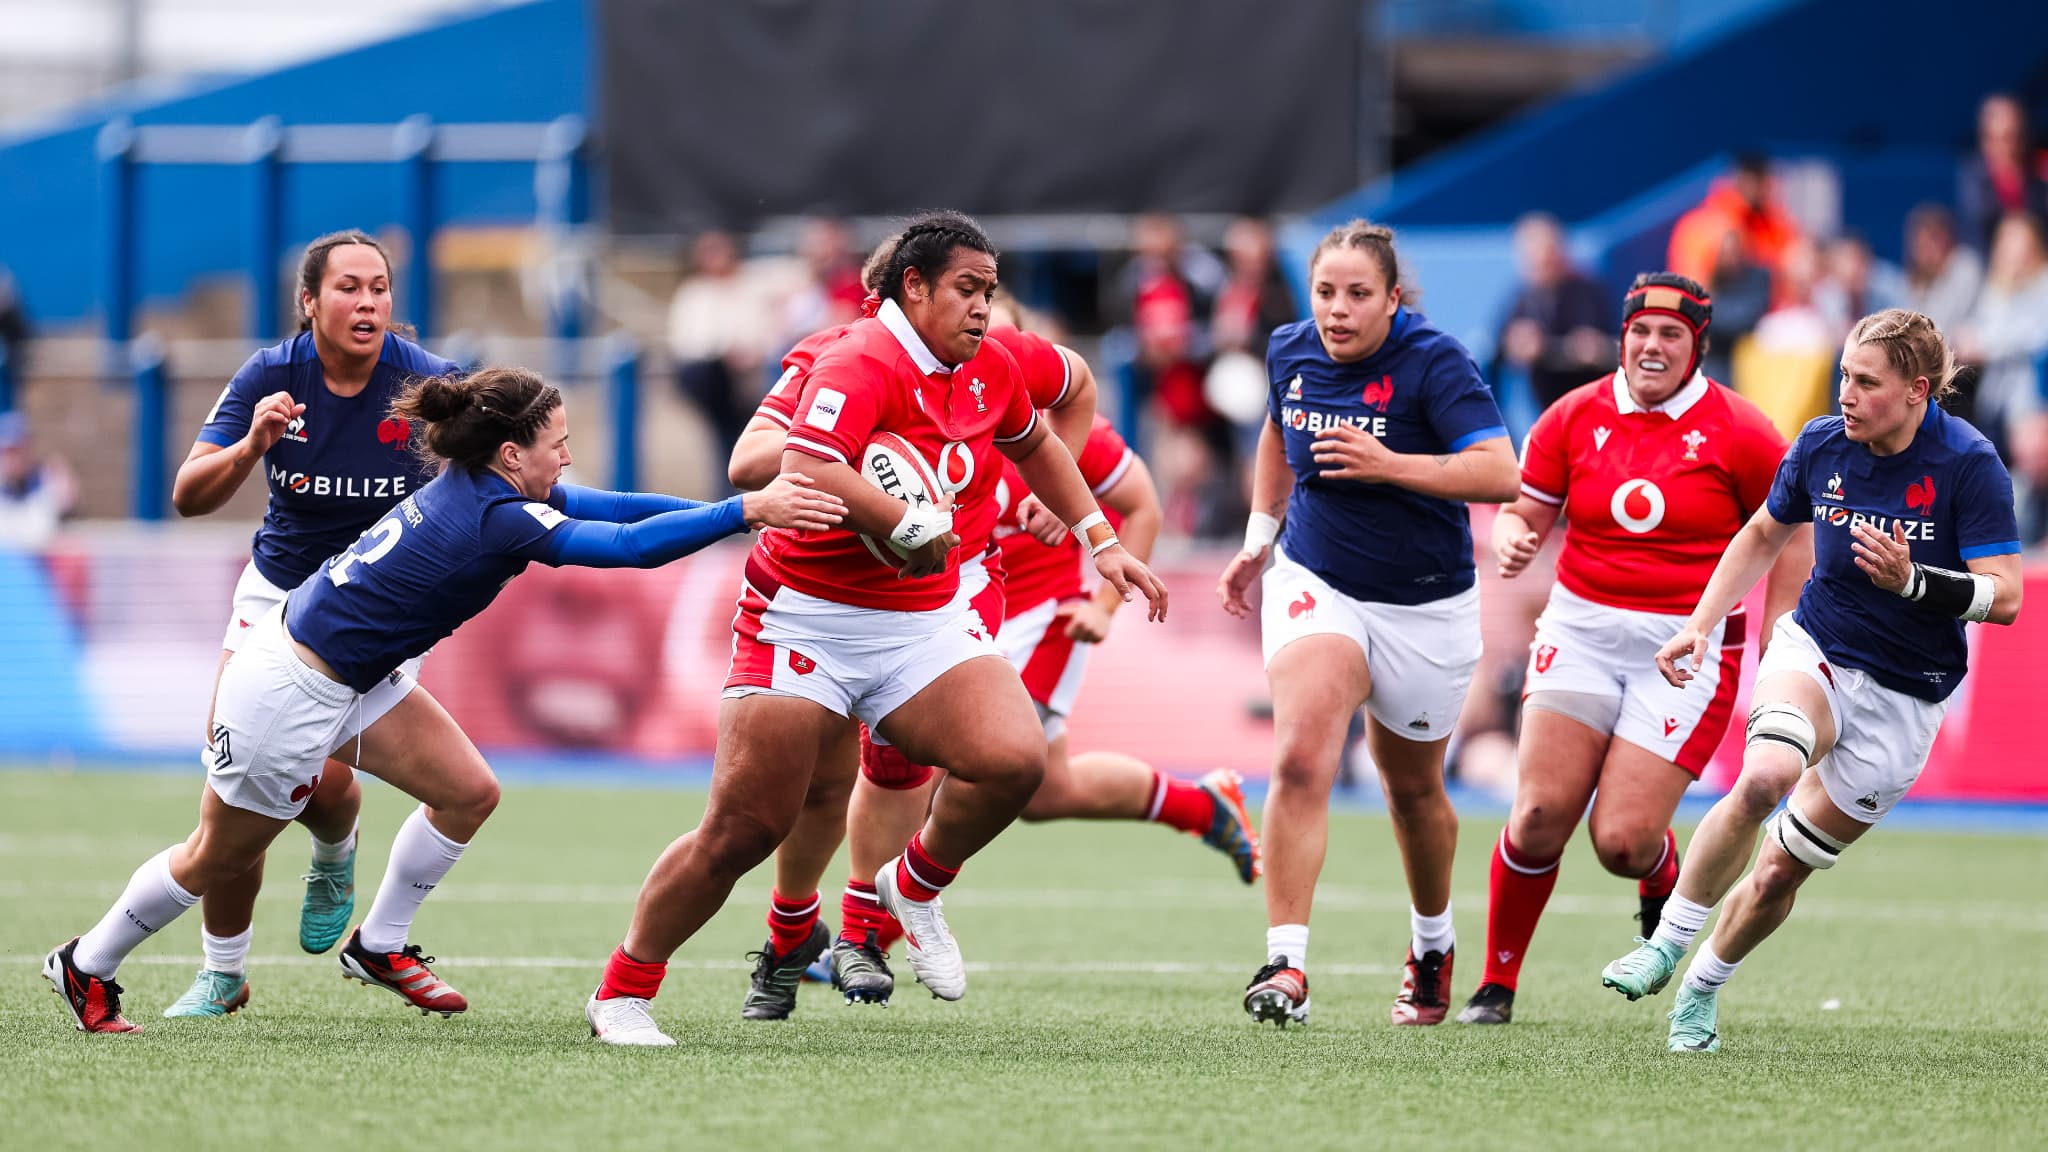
(417, 747)
(228, 841)
(768, 748)
(973, 719)
(1422, 658)
(1318, 681)
(1815, 805)
(1794, 671)
(1638, 794)
(1882, 747)
(1411, 770)
(1557, 761)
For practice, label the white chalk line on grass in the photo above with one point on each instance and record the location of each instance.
(2008, 916)
(596, 964)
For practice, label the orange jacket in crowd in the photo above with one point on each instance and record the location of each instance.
(1696, 239)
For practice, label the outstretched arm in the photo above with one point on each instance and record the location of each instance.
(580, 503)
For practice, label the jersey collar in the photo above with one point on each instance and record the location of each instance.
(1675, 406)
(892, 317)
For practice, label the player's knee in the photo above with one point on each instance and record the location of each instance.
(1539, 832)
(1778, 876)
(1018, 768)
(828, 793)
(1413, 794)
(1803, 841)
(1308, 768)
(1759, 789)
(731, 844)
(1628, 852)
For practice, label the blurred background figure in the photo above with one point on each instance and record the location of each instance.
(1854, 283)
(1166, 295)
(1559, 331)
(2004, 175)
(14, 334)
(2006, 337)
(1942, 276)
(1787, 366)
(35, 492)
(720, 327)
(829, 292)
(1742, 294)
(1254, 300)
(1741, 201)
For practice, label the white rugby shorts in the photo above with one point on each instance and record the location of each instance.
(1421, 656)
(276, 720)
(254, 597)
(1581, 646)
(1882, 737)
(1051, 665)
(858, 662)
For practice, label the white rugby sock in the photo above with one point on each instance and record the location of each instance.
(325, 853)
(1430, 933)
(1290, 941)
(420, 857)
(1708, 972)
(1682, 921)
(151, 900)
(229, 954)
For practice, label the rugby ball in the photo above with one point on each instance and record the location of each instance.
(894, 465)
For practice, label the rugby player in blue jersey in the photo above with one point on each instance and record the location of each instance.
(324, 674)
(1914, 533)
(1379, 430)
(314, 414)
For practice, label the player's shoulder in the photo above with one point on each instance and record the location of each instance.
(273, 365)
(995, 356)
(409, 359)
(1821, 432)
(1297, 340)
(808, 349)
(1413, 333)
(867, 349)
(1592, 398)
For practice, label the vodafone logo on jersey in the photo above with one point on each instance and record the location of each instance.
(1638, 506)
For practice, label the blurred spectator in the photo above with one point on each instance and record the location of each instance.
(1165, 294)
(1942, 276)
(2003, 176)
(1741, 201)
(830, 291)
(1560, 328)
(1742, 294)
(2007, 331)
(34, 493)
(1854, 284)
(719, 333)
(1787, 366)
(14, 334)
(1254, 300)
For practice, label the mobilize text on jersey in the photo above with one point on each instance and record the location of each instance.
(366, 487)
(1302, 419)
(1844, 518)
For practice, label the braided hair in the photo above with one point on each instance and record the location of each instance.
(463, 419)
(927, 244)
(1913, 347)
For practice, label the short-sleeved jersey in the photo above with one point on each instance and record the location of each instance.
(881, 378)
(1952, 497)
(416, 575)
(779, 404)
(1651, 497)
(1033, 572)
(338, 467)
(1419, 393)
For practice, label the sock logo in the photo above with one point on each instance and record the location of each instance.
(1504, 956)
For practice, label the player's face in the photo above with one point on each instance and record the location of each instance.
(1655, 350)
(1878, 402)
(536, 468)
(354, 305)
(951, 312)
(1354, 308)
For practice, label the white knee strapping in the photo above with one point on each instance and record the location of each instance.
(1784, 724)
(1803, 839)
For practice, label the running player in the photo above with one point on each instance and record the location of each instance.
(323, 674)
(825, 633)
(1655, 468)
(1914, 533)
(315, 414)
(1379, 428)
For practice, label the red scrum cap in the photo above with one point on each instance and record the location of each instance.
(1680, 297)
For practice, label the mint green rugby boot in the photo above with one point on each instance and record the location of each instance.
(1643, 972)
(211, 994)
(330, 902)
(1695, 1021)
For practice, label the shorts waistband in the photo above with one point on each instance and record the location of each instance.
(303, 675)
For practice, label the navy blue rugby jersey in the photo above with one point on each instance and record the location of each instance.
(338, 467)
(1952, 496)
(1420, 393)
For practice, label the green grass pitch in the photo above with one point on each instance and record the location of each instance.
(1900, 1008)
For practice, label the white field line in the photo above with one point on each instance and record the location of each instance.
(2009, 916)
(595, 964)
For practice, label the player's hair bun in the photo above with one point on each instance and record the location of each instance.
(466, 418)
(442, 398)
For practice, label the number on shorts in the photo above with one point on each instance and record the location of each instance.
(385, 533)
